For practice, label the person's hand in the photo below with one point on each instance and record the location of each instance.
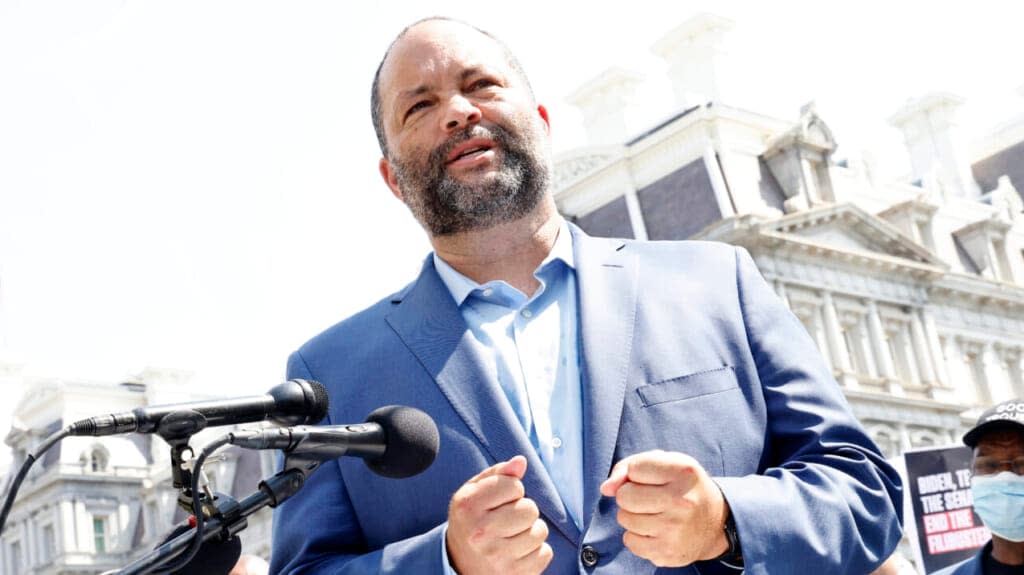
(672, 511)
(493, 527)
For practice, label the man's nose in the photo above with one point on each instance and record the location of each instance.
(459, 113)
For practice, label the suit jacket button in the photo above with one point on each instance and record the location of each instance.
(589, 556)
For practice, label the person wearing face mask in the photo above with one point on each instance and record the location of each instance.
(998, 489)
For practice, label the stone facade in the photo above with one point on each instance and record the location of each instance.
(92, 504)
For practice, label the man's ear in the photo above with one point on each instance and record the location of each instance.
(388, 173)
(544, 116)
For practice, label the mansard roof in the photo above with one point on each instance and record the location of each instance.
(1008, 161)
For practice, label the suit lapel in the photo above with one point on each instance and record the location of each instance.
(607, 288)
(429, 323)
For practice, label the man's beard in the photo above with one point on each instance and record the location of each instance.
(443, 205)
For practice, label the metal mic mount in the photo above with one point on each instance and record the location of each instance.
(230, 518)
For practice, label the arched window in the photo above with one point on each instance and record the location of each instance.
(925, 438)
(96, 459)
(887, 440)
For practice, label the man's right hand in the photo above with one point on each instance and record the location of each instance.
(493, 528)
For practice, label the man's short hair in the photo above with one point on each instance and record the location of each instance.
(376, 113)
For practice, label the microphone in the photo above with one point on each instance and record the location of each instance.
(396, 441)
(294, 402)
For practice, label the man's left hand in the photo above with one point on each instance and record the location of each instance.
(672, 511)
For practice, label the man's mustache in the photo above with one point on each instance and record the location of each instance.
(496, 134)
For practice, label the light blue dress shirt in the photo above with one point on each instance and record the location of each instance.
(531, 346)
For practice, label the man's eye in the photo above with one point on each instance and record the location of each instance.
(416, 108)
(483, 83)
(985, 467)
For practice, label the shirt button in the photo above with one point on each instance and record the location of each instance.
(488, 292)
(589, 556)
(556, 442)
(527, 313)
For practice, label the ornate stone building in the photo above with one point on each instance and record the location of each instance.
(92, 504)
(913, 290)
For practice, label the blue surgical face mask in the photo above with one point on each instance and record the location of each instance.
(999, 501)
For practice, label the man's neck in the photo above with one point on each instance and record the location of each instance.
(510, 251)
(1007, 552)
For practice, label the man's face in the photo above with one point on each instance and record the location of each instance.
(999, 451)
(467, 146)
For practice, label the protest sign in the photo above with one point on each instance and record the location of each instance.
(945, 530)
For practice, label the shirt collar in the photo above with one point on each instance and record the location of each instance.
(461, 286)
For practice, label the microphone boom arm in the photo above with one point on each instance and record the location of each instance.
(272, 492)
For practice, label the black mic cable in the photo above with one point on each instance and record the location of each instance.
(31, 458)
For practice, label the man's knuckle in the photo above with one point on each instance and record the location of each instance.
(540, 529)
(478, 536)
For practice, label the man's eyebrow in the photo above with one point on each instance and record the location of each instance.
(423, 89)
(413, 92)
(469, 72)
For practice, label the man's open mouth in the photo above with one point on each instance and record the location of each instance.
(470, 149)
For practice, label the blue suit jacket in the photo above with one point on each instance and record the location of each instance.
(684, 347)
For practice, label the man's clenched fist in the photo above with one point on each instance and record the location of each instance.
(672, 511)
(493, 528)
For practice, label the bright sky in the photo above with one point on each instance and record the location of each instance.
(194, 184)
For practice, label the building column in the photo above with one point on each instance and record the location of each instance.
(922, 353)
(636, 215)
(935, 347)
(976, 372)
(69, 532)
(1017, 375)
(955, 364)
(29, 540)
(905, 443)
(83, 527)
(883, 359)
(836, 343)
(718, 186)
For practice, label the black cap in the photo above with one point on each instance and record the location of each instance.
(1006, 415)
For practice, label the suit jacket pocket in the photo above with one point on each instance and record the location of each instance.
(688, 386)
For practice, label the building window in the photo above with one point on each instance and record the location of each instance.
(807, 308)
(49, 544)
(16, 557)
(96, 459)
(974, 358)
(921, 438)
(897, 339)
(887, 441)
(858, 361)
(1011, 364)
(853, 323)
(99, 534)
(924, 236)
(156, 525)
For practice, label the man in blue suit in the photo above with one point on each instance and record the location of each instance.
(604, 406)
